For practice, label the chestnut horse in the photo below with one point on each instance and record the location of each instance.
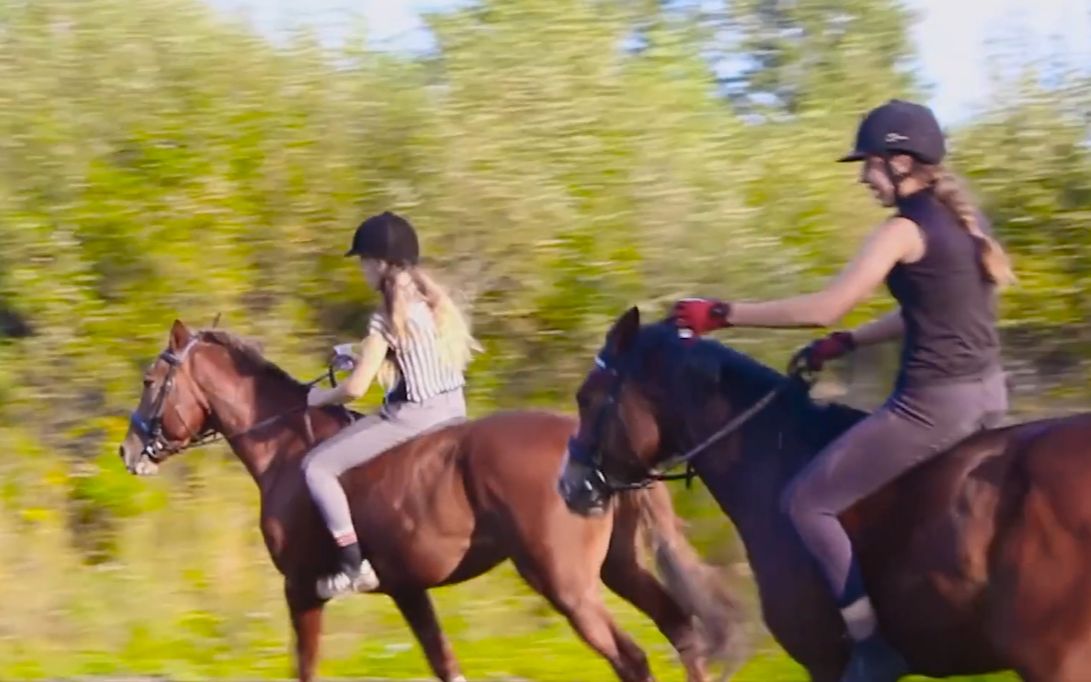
(442, 508)
(978, 560)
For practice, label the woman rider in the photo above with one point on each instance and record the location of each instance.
(419, 342)
(940, 263)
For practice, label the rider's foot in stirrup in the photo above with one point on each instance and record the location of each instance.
(345, 582)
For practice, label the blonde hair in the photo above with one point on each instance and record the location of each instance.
(456, 343)
(952, 192)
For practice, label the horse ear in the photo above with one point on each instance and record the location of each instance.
(623, 333)
(179, 335)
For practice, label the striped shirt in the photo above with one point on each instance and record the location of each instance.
(424, 372)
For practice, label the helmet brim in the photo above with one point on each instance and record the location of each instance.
(855, 155)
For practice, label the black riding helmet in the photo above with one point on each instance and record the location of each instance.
(899, 127)
(387, 237)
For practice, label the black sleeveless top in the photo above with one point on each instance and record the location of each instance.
(947, 302)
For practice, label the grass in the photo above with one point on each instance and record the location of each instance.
(189, 594)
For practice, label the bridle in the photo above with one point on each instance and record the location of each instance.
(157, 447)
(591, 456)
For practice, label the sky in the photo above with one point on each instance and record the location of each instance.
(955, 39)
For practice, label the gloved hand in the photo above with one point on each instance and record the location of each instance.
(701, 315)
(820, 351)
(343, 359)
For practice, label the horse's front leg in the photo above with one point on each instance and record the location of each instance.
(305, 609)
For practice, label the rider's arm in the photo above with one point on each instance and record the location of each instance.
(372, 351)
(886, 328)
(897, 239)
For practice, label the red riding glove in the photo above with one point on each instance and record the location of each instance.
(820, 351)
(701, 315)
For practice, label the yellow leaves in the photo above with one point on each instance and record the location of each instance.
(37, 514)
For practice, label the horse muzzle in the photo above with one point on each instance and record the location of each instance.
(139, 457)
(582, 489)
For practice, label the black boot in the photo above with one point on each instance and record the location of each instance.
(350, 557)
(874, 660)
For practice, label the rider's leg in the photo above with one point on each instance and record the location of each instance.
(322, 468)
(913, 426)
(356, 444)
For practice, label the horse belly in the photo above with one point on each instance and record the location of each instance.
(426, 534)
(429, 556)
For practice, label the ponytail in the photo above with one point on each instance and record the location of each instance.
(456, 343)
(950, 190)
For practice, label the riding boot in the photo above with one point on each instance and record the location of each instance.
(872, 659)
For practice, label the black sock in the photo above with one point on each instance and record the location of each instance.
(854, 587)
(350, 558)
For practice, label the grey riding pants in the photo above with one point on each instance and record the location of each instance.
(915, 424)
(364, 440)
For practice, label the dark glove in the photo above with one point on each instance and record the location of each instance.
(820, 351)
(701, 315)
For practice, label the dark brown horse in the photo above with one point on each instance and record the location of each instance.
(439, 509)
(978, 561)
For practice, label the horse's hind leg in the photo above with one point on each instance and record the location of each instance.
(623, 574)
(572, 588)
(305, 609)
(416, 607)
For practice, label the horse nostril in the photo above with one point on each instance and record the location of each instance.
(121, 451)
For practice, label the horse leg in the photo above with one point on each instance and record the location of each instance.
(305, 609)
(826, 673)
(573, 591)
(629, 580)
(417, 609)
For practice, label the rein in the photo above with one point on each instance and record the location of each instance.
(798, 373)
(740, 420)
(157, 448)
(214, 436)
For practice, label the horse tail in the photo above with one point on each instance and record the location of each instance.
(696, 586)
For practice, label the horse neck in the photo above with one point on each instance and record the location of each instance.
(749, 470)
(240, 399)
(748, 473)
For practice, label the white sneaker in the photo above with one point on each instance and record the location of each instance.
(367, 581)
(341, 583)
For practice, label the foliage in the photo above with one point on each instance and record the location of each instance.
(562, 160)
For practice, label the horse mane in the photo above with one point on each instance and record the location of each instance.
(818, 423)
(249, 351)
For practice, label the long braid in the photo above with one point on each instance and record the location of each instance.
(950, 190)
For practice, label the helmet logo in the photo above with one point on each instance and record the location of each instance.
(895, 137)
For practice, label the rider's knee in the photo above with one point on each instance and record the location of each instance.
(795, 500)
(314, 469)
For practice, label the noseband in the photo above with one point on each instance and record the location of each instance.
(156, 446)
